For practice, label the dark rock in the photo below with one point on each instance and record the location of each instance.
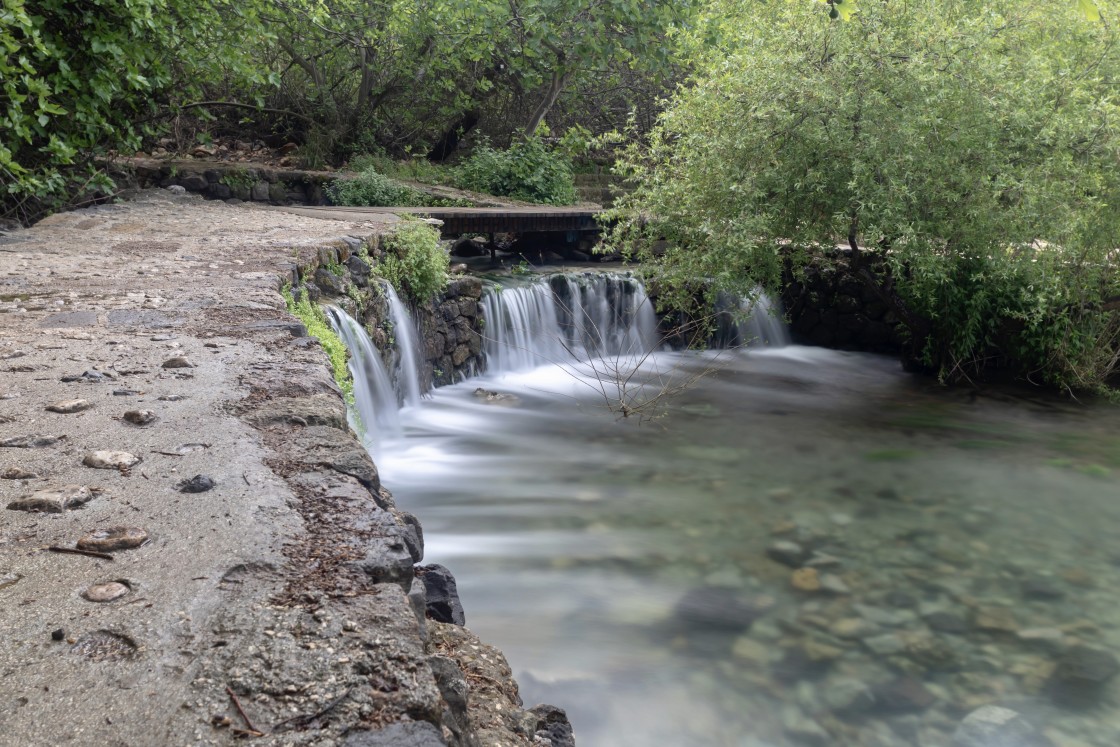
(259, 192)
(471, 287)
(902, 695)
(553, 724)
(900, 599)
(388, 561)
(295, 329)
(213, 176)
(220, 191)
(443, 595)
(719, 608)
(401, 734)
(787, 553)
(58, 635)
(196, 484)
(413, 535)
(193, 182)
(1081, 675)
(358, 465)
(474, 246)
(1042, 589)
(179, 361)
(359, 270)
(797, 664)
(329, 283)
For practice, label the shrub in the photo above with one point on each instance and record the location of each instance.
(414, 262)
(527, 171)
(371, 188)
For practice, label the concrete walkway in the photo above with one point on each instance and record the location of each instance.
(289, 582)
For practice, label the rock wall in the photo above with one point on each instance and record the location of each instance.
(236, 182)
(829, 307)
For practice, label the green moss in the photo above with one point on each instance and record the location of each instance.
(890, 455)
(318, 327)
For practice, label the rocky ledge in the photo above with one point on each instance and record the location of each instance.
(196, 549)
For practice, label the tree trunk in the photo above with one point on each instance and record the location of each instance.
(555, 88)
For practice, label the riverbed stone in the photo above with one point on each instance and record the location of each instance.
(993, 619)
(719, 608)
(140, 417)
(903, 695)
(787, 553)
(994, 726)
(30, 442)
(196, 484)
(1081, 675)
(106, 592)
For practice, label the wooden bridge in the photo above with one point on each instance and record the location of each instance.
(460, 220)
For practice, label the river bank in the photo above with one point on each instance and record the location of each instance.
(272, 587)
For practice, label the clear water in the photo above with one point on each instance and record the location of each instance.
(575, 534)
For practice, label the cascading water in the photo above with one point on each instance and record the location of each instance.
(375, 397)
(567, 317)
(408, 350)
(751, 322)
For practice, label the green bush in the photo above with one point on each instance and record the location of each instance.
(527, 171)
(371, 188)
(414, 262)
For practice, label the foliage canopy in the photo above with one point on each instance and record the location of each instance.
(969, 148)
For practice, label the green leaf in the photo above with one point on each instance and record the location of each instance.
(1089, 9)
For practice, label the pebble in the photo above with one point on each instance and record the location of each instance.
(107, 592)
(58, 634)
(90, 376)
(179, 361)
(196, 484)
(887, 644)
(847, 697)
(803, 729)
(903, 695)
(894, 618)
(55, 500)
(30, 442)
(995, 620)
(126, 392)
(140, 417)
(806, 579)
(833, 584)
(110, 460)
(946, 622)
(993, 726)
(1081, 675)
(852, 628)
(70, 406)
(172, 398)
(113, 538)
(787, 553)
(1042, 589)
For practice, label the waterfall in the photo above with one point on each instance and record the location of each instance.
(408, 350)
(562, 318)
(375, 397)
(755, 322)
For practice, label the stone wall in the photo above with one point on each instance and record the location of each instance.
(829, 307)
(232, 181)
(450, 325)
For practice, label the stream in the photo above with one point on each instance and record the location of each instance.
(780, 545)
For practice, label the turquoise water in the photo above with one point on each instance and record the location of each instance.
(620, 562)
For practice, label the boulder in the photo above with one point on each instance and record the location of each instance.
(443, 594)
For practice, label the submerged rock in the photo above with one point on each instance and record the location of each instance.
(720, 608)
(1081, 675)
(993, 726)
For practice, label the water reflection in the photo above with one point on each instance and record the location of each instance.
(953, 551)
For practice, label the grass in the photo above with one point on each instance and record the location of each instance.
(318, 327)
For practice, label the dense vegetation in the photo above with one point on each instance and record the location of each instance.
(965, 155)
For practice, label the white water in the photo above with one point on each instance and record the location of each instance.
(568, 318)
(375, 397)
(408, 350)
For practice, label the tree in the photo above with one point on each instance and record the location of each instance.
(965, 155)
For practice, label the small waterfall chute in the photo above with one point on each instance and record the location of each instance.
(376, 401)
(407, 374)
(567, 318)
(750, 322)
